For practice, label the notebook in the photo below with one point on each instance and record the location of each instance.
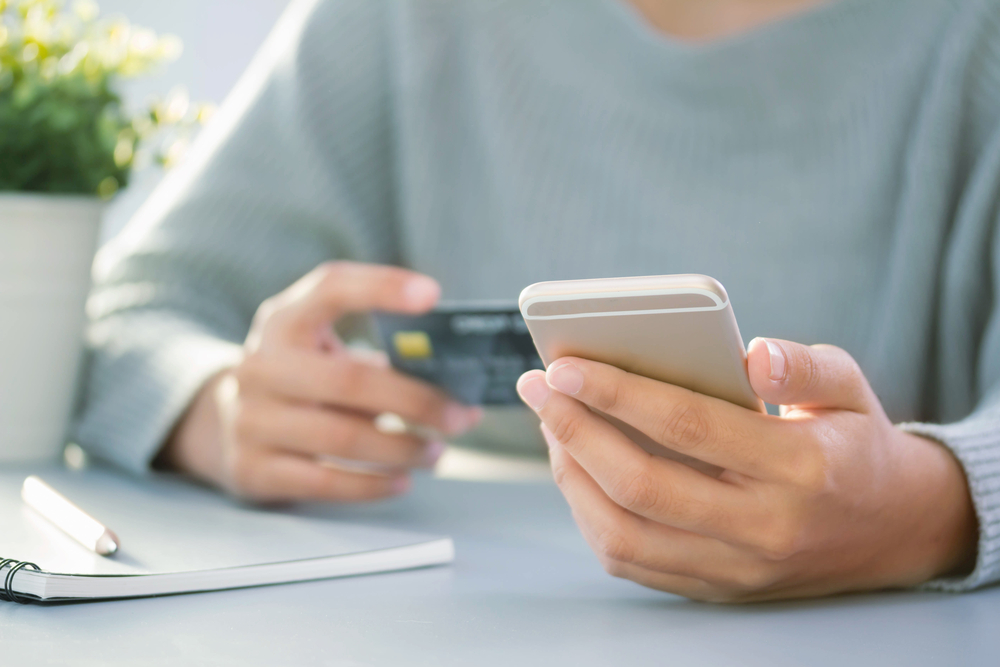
(177, 537)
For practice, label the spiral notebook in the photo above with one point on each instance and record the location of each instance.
(177, 537)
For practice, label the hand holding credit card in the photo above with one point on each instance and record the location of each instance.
(474, 351)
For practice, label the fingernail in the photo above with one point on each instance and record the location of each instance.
(777, 356)
(401, 484)
(550, 439)
(534, 391)
(458, 418)
(390, 423)
(421, 291)
(566, 377)
(435, 449)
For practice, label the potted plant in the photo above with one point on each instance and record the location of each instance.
(67, 145)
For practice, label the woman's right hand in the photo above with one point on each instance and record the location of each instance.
(262, 429)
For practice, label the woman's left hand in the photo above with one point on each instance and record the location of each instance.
(828, 497)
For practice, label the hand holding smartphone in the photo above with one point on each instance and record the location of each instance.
(678, 329)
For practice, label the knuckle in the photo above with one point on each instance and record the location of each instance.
(267, 313)
(565, 428)
(330, 276)
(809, 373)
(853, 367)
(613, 567)
(613, 544)
(559, 471)
(782, 539)
(611, 397)
(857, 386)
(810, 471)
(266, 310)
(330, 271)
(685, 426)
(748, 578)
(638, 492)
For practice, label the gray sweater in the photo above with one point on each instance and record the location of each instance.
(838, 171)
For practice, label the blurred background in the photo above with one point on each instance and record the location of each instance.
(220, 37)
(63, 56)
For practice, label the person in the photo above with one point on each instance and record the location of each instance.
(835, 164)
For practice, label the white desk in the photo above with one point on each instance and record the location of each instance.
(524, 590)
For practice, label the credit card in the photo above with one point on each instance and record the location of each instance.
(474, 351)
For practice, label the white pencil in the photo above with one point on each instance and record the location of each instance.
(72, 520)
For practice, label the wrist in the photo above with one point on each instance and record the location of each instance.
(194, 446)
(945, 529)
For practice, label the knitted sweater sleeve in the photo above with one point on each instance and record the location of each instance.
(292, 171)
(967, 368)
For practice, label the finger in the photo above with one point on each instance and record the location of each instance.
(703, 427)
(620, 537)
(316, 430)
(811, 377)
(278, 476)
(688, 587)
(654, 487)
(343, 381)
(336, 288)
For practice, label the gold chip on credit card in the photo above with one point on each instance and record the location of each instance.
(475, 352)
(412, 344)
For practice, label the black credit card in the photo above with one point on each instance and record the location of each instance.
(475, 352)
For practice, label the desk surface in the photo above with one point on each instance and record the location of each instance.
(524, 590)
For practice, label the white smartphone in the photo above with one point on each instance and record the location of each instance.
(678, 329)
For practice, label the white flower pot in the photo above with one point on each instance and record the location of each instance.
(47, 245)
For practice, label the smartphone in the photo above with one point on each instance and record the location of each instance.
(678, 329)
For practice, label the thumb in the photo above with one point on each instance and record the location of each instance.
(817, 376)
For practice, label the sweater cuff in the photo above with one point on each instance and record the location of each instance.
(975, 442)
(137, 389)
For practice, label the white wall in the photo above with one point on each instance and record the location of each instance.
(220, 37)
